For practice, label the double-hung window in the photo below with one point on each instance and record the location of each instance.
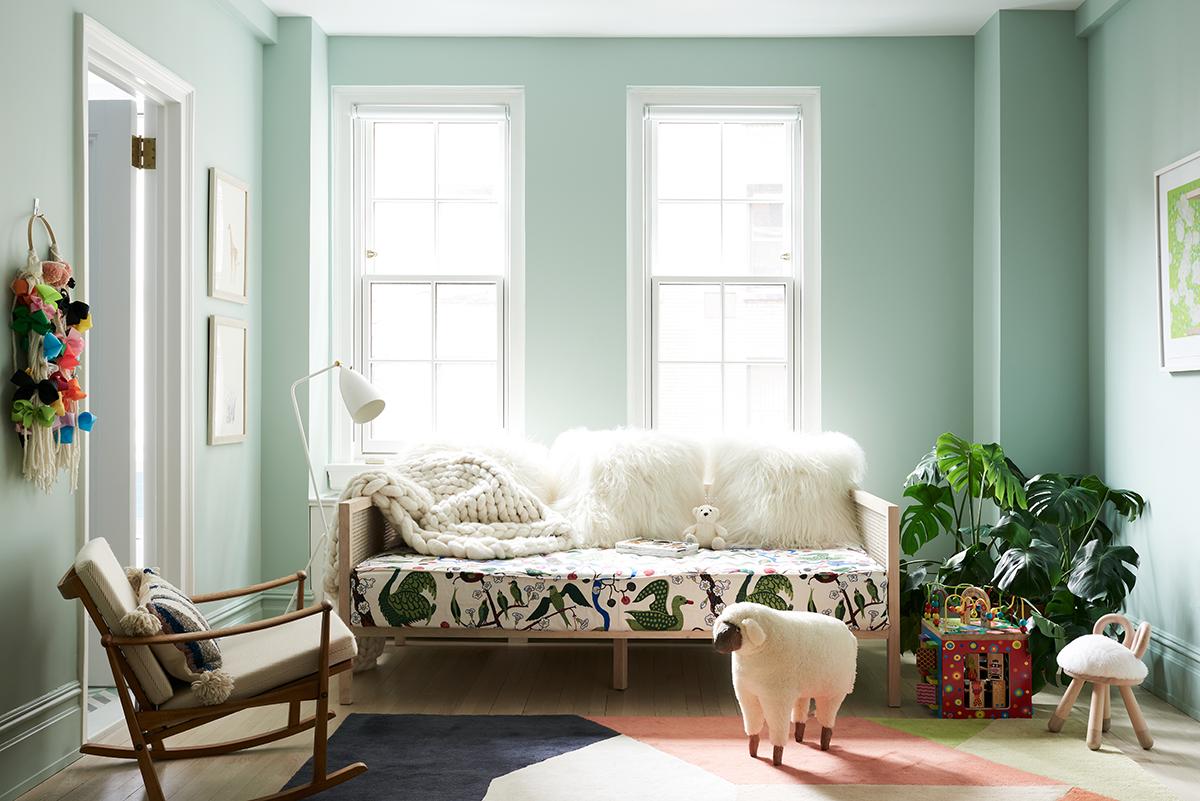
(435, 261)
(718, 263)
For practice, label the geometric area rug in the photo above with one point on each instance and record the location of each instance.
(567, 757)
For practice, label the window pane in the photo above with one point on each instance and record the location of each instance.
(403, 238)
(467, 397)
(689, 397)
(754, 239)
(404, 159)
(756, 397)
(688, 239)
(755, 158)
(689, 322)
(401, 321)
(470, 238)
(466, 321)
(755, 323)
(469, 160)
(407, 388)
(689, 160)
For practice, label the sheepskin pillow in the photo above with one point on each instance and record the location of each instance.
(613, 485)
(163, 609)
(791, 491)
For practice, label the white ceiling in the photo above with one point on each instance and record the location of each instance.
(654, 17)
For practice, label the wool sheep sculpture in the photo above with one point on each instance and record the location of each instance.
(781, 661)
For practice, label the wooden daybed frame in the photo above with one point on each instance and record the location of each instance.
(363, 533)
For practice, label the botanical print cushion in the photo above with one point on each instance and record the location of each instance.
(164, 609)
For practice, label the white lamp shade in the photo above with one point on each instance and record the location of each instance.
(362, 400)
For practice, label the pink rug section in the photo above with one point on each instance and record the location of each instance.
(862, 752)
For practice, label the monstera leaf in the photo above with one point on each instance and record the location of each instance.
(1128, 503)
(1029, 571)
(1061, 500)
(1103, 575)
(958, 463)
(973, 565)
(926, 471)
(930, 515)
(1003, 485)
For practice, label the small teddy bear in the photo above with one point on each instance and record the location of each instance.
(706, 532)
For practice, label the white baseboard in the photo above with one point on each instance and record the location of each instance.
(45, 732)
(1174, 672)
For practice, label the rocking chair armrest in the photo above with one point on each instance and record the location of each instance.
(323, 608)
(299, 576)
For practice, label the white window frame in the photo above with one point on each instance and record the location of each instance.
(348, 292)
(802, 289)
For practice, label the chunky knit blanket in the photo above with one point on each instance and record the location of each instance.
(461, 504)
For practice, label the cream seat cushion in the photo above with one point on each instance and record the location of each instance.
(109, 588)
(266, 659)
(1101, 657)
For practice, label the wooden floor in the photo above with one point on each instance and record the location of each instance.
(679, 678)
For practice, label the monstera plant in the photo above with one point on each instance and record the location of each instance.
(1048, 538)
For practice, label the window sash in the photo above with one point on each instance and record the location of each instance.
(375, 445)
(788, 285)
(363, 220)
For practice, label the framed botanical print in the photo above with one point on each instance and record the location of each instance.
(228, 224)
(227, 352)
(1177, 204)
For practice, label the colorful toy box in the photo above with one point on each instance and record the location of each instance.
(974, 657)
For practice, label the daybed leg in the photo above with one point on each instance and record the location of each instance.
(620, 679)
(345, 681)
(893, 664)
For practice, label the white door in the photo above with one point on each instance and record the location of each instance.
(121, 232)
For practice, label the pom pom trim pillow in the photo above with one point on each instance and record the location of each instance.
(163, 609)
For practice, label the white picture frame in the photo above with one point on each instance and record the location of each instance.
(228, 237)
(228, 351)
(1177, 223)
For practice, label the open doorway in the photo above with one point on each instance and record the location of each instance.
(136, 208)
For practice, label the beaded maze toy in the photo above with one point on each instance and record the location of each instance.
(974, 657)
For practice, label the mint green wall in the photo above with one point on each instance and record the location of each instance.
(1144, 431)
(896, 172)
(295, 223)
(212, 50)
(1031, 239)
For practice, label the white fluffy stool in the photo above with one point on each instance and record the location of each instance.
(1103, 661)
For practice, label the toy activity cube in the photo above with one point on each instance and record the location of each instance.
(974, 658)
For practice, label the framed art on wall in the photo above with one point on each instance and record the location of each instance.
(227, 352)
(228, 226)
(1177, 207)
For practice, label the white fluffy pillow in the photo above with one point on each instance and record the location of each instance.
(789, 491)
(528, 461)
(613, 485)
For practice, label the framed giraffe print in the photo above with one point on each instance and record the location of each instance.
(228, 234)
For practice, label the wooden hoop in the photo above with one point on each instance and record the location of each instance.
(49, 230)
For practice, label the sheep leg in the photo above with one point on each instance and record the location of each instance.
(777, 727)
(752, 717)
(827, 710)
(800, 716)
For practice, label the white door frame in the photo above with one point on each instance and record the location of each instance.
(102, 51)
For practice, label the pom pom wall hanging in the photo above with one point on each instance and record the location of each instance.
(47, 337)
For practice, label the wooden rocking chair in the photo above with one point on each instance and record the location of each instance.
(284, 660)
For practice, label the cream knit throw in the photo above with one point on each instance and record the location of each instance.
(460, 504)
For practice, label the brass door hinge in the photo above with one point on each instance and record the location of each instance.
(144, 152)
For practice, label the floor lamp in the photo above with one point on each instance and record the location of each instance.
(364, 403)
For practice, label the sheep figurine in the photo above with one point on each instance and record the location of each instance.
(781, 661)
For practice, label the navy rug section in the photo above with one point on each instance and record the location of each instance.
(445, 757)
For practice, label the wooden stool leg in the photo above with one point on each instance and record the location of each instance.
(1136, 718)
(1107, 709)
(1064, 706)
(1096, 716)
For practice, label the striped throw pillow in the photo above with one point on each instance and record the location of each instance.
(164, 609)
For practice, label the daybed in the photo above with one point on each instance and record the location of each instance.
(601, 593)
